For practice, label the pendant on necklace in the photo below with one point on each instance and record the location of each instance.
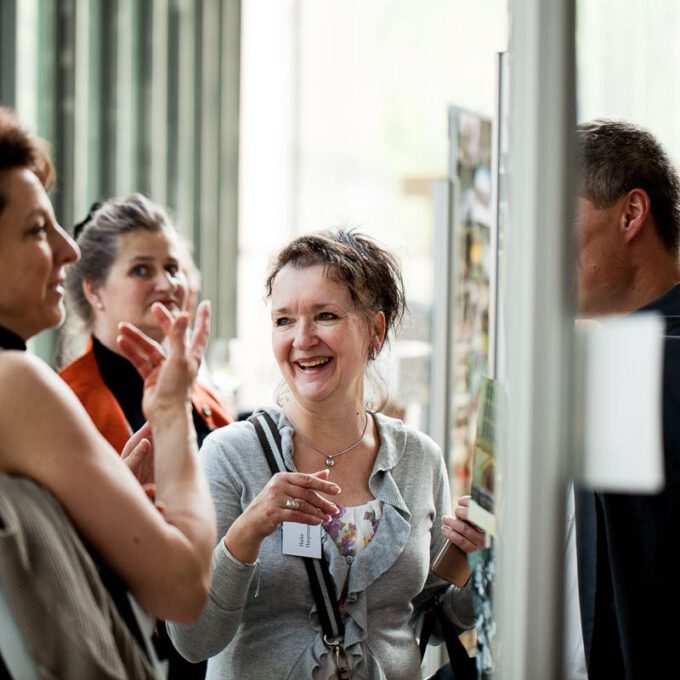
(330, 462)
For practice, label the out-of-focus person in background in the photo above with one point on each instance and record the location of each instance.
(378, 488)
(130, 259)
(78, 532)
(628, 227)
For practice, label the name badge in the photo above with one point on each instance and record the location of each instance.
(301, 539)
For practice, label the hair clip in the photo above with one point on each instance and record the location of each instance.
(78, 228)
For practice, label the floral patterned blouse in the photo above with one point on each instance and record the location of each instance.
(352, 528)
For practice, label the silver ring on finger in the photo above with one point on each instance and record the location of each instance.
(292, 503)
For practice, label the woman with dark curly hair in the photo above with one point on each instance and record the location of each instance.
(372, 491)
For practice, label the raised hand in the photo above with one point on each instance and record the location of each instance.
(167, 381)
(460, 531)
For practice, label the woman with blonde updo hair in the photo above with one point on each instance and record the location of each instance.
(131, 258)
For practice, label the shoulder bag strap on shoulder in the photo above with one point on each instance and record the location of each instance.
(320, 579)
(264, 443)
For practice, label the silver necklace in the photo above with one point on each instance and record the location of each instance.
(330, 459)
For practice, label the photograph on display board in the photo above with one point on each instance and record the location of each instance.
(471, 153)
(474, 395)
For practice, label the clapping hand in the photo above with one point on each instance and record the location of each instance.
(167, 380)
(137, 454)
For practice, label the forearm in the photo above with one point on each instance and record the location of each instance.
(175, 461)
(181, 485)
(212, 632)
(458, 606)
(456, 602)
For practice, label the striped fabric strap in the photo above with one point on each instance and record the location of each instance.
(320, 578)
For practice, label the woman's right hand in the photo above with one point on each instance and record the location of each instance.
(287, 497)
(137, 454)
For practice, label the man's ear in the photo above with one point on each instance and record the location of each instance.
(92, 294)
(636, 209)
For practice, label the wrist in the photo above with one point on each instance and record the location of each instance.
(165, 413)
(241, 542)
(234, 559)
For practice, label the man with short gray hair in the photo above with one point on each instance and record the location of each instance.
(628, 217)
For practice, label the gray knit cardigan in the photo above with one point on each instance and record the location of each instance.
(260, 622)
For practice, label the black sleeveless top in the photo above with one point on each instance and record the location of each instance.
(10, 340)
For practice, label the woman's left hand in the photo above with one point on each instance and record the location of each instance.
(167, 379)
(461, 532)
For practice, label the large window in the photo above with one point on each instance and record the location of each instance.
(137, 95)
(345, 124)
(628, 61)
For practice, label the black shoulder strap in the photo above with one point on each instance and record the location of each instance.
(464, 666)
(426, 630)
(320, 578)
(274, 431)
(264, 442)
(323, 589)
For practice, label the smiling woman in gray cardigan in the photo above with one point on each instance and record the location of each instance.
(333, 296)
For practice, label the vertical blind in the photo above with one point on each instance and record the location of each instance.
(137, 95)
